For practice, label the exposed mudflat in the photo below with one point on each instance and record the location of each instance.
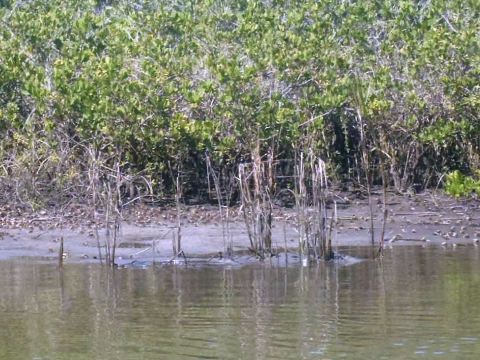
(146, 233)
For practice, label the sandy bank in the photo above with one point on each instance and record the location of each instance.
(425, 220)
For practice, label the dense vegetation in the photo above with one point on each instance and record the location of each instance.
(149, 88)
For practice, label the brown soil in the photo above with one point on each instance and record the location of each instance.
(426, 219)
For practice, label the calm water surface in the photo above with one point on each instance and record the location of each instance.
(419, 303)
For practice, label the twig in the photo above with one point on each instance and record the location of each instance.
(60, 253)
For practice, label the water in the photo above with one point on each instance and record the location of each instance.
(419, 303)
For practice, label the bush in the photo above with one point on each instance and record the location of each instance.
(460, 185)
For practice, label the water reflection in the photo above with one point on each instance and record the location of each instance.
(416, 303)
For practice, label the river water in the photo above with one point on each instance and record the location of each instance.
(418, 303)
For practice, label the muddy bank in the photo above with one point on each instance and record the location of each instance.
(426, 219)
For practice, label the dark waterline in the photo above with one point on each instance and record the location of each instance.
(418, 303)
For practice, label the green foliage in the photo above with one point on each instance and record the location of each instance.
(459, 185)
(157, 82)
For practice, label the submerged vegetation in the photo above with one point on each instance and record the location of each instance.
(107, 102)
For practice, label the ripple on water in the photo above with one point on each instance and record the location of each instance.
(415, 304)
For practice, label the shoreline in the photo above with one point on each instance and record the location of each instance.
(425, 219)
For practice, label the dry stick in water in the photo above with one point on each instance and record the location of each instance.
(118, 210)
(227, 219)
(320, 188)
(311, 190)
(300, 204)
(226, 248)
(94, 180)
(329, 251)
(113, 208)
(385, 210)
(178, 239)
(60, 253)
(255, 192)
(116, 203)
(368, 176)
(264, 189)
(318, 201)
(177, 236)
(246, 201)
(267, 193)
(370, 204)
(107, 223)
(257, 169)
